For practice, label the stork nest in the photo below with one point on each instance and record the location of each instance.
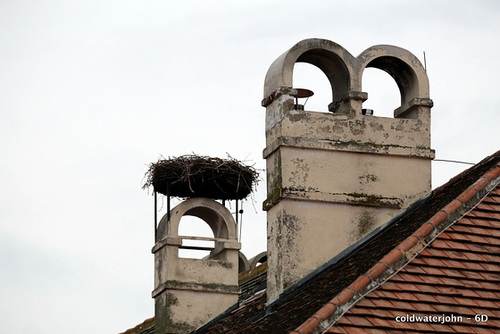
(198, 176)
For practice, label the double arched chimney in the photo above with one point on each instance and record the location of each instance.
(334, 176)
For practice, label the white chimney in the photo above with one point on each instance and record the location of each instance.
(334, 176)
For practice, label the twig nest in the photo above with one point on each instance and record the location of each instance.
(198, 176)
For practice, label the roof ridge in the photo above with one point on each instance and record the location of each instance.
(403, 253)
(144, 325)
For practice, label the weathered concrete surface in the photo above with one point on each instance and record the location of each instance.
(334, 176)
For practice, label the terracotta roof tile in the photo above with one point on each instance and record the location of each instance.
(480, 184)
(147, 327)
(486, 206)
(387, 303)
(379, 322)
(383, 313)
(376, 270)
(408, 277)
(494, 312)
(457, 243)
(325, 311)
(433, 281)
(485, 231)
(414, 270)
(489, 223)
(495, 199)
(483, 248)
(453, 206)
(483, 214)
(487, 331)
(431, 288)
(360, 283)
(438, 218)
(360, 320)
(478, 257)
(308, 326)
(468, 221)
(463, 229)
(368, 303)
(491, 267)
(436, 271)
(467, 195)
(347, 329)
(427, 297)
(440, 327)
(440, 263)
(358, 311)
(405, 306)
(345, 321)
(422, 232)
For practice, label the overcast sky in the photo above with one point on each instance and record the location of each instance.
(91, 92)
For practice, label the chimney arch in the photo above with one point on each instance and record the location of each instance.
(384, 95)
(332, 59)
(406, 70)
(259, 258)
(243, 263)
(216, 215)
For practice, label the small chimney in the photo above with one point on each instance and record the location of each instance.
(190, 292)
(334, 176)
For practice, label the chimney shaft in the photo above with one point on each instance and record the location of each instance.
(190, 292)
(334, 176)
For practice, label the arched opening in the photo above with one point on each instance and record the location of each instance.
(407, 72)
(383, 92)
(261, 260)
(193, 226)
(258, 259)
(311, 77)
(243, 264)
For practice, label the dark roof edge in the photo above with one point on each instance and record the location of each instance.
(148, 323)
(402, 254)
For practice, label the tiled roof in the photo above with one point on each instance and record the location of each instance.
(437, 257)
(252, 281)
(455, 279)
(147, 327)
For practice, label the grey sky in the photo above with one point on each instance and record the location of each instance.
(91, 92)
